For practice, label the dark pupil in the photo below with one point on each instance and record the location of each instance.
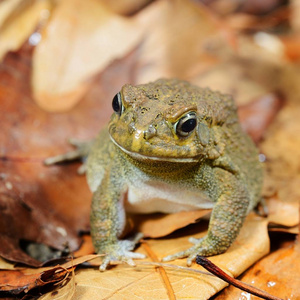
(116, 104)
(188, 125)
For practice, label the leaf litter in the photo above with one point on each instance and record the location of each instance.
(259, 75)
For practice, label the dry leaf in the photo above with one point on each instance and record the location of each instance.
(291, 45)
(126, 7)
(45, 199)
(81, 39)
(285, 213)
(295, 13)
(53, 202)
(277, 274)
(18, 19)
(86, 247)
(282, 179)
(24, 280)
(239, 78)
(159, 225)
(31, 194)
(5, 265)
(124, 282)
(16, 282)
(292, 230)
(251, 7)
(64, 290)
(172, 47)
(256, 116)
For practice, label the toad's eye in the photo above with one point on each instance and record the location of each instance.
(186, 124)
(117, 104)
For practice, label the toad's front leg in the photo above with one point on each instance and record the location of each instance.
(227, 218)
(108, 221)
(82, 150)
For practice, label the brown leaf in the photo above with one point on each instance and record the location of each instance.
(282, 179)
(293, 230)
(64, 290)
(292, 46)
(260, 7)
(16, 282)
(215, 270)
(86, 247)
(250, 7)
(38, 203)
(278, 274)
(256, 116)
(24, 280)
(48, 205)
(159, 225)
(81, 39)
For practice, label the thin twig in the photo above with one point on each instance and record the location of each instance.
(209, 266)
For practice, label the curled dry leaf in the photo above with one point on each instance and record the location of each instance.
(64, 290)
(16, 282)
(24, 280)
(81, 39)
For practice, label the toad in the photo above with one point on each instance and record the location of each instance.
(170, 146)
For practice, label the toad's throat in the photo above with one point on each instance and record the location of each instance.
(142, 157)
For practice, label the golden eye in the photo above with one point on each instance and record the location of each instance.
(117, 104)
(186, 124)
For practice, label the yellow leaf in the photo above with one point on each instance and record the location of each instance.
(18, 20)
(143, 282)
(81, 39)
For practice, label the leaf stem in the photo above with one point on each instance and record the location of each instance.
(209, 266)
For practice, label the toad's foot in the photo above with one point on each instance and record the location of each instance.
(122, 251)
(81, 151)
(203, 247)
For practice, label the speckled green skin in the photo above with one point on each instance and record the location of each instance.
(217, 159)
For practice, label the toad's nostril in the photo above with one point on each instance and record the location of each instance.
(150, 132)
(131, 128)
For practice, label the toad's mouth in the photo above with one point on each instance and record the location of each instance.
(142, 157)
